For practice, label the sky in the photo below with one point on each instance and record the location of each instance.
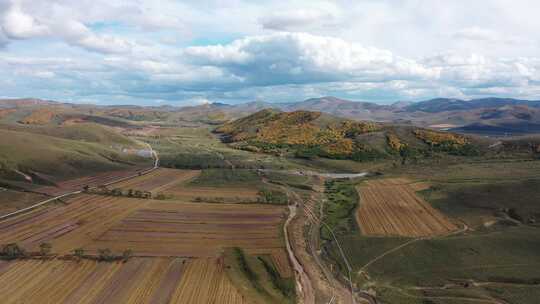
(152, 52)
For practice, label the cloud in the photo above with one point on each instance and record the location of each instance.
(300, 19)
(17, 24)
(477, 33)
(304, 58)
(132, 51)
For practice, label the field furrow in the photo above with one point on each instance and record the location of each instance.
(392, 207)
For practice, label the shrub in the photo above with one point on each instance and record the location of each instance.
(126, 254)
(105, 254)
(78, 252)
(13, 251)
(45, 248)
(274, 197)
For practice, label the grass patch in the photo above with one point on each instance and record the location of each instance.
(519, 200)
(227, 177)
(257, 278)
(339, 208)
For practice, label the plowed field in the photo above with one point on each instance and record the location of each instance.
(392, 207)
(158, 180)
(69, 226)
(195, 229)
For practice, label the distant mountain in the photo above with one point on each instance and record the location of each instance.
(474, 116)
(24, 102)
(440, 113)
(445, 104)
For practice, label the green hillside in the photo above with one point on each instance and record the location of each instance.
(60, 158)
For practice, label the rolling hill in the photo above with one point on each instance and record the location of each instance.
(44, 142)
(309, 134)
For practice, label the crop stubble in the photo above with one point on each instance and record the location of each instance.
(391, 207)
(140, 280)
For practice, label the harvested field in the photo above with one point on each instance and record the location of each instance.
(205, 281)
(391, 207)
(158, 180)
(70, 226)
(140, 280)
(195, 229)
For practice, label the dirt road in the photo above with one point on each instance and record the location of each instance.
(303, 283)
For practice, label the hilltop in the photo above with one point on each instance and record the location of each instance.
(308, 134)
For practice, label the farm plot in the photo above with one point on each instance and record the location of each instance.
(230, 195)
(68, 226)
(391, 207)
(158, 180)
(140, 280)
(195, 230)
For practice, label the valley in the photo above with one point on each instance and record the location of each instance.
(148, 206)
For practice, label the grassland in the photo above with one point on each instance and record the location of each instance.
(58, 158)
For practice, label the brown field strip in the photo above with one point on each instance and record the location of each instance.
(392, 207)
(195, 229)
(158, 180)
(138, 281)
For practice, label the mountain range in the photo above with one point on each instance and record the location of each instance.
(484, 116)
(490, 116)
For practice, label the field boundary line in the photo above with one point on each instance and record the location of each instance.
(29, 208)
